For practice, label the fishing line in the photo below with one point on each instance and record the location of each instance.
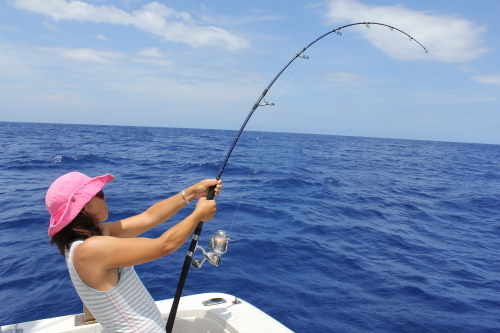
(214, 256)
(265, 127)
(258, 146)
(248, 176)
(302, 65)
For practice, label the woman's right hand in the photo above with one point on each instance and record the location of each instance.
(205, 209)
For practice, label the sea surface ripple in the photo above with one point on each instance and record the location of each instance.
(330, 233)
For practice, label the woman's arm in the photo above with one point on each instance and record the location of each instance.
(159, 212)
(97, 256)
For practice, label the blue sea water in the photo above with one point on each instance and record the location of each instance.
(331, 233)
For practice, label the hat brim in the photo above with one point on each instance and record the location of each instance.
(79, 198)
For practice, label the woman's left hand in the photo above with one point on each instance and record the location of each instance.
(200, 189)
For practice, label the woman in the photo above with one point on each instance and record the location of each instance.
(100, 256)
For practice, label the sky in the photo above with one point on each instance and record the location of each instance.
(199, 64)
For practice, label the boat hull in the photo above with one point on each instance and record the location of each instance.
(219, 314)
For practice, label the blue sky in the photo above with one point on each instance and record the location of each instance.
(204, 64)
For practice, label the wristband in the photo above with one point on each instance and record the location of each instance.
(184, 197)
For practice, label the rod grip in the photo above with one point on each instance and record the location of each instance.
(211, 191)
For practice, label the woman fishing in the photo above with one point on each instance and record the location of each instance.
(100, 256)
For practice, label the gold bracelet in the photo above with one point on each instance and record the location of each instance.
(184, 197)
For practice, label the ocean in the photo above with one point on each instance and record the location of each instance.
(330, 233)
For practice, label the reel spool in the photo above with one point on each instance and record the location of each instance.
(217, 246)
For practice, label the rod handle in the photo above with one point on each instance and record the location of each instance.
(211, 192)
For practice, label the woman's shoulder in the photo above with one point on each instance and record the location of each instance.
(93, 246)
(72, 246)
(96, 241)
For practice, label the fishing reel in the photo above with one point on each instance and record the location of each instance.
(217, 246)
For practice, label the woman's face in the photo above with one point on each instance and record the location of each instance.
(98, 208)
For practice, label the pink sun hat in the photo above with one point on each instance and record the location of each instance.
(67, 196)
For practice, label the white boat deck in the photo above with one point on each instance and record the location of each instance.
(192, 317)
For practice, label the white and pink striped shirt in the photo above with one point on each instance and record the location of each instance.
(127, 307)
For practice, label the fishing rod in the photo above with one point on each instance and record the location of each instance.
(218, 244)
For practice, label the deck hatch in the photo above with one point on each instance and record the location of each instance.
(214, 301)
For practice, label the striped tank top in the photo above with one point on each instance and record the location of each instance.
(127, 307)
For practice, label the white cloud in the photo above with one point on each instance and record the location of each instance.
(447, 37)
(234, 20)
(8, 28)
(346, 78)
(493, 79)
(154, 18)
(122, 72)
(49, 26)
(153, 56)
(13, 63)
(150, 52)
(101, 37)
(85, 54)
(465, 69)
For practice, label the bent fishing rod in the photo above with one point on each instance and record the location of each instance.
(218, 244)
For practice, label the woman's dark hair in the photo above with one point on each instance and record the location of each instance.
(83, 226)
